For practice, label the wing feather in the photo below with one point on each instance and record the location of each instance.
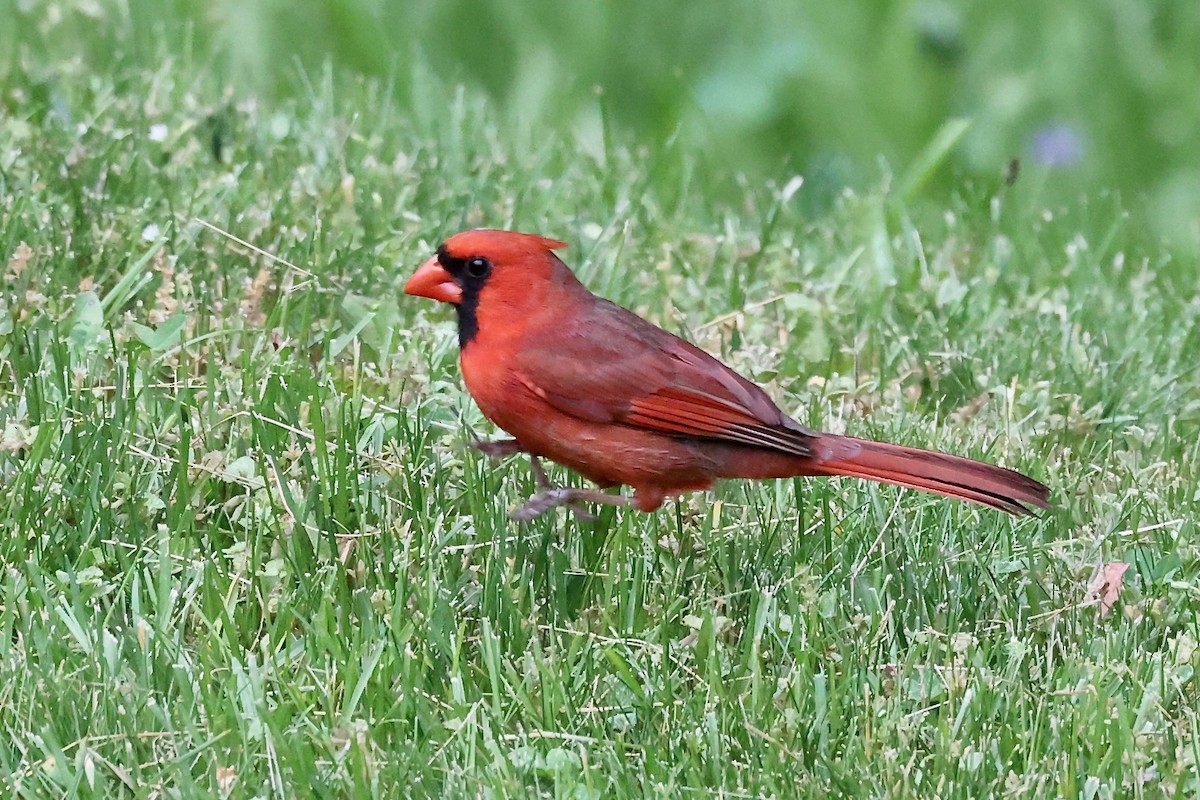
(624, 370)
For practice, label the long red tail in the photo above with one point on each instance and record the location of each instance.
(943, 474)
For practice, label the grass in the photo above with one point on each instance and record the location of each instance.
(1104, 90)
(249, 554)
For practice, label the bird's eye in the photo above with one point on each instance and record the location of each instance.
(478, 267)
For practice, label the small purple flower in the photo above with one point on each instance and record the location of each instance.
(1058, 145)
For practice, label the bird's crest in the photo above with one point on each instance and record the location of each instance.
(499, 245)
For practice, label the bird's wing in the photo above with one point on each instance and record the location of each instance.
(612, 366)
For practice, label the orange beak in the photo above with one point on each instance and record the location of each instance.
(432, 280)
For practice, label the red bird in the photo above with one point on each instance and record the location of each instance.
(598, 389)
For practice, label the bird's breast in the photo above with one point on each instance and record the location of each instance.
(607, 453)
(498, 390)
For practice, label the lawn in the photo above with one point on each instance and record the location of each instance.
(248, 551)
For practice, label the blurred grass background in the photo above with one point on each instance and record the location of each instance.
(247, 551)
(1089, 95)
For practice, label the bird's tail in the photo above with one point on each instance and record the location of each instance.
(943, 474)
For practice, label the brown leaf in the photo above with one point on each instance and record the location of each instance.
(252, 300)
(19, 260)
(964, 414)
(1105, 585)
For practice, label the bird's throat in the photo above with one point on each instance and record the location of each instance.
(468, 320)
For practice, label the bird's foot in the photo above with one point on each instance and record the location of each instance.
(542, 481)
(501, 448)
(550, 498)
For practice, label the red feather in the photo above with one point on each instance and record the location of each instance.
(598, 389)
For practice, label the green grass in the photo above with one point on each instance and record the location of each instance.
(818, 87)
(248, 553)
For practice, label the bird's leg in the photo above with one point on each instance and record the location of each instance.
(547, 499)
(501, 448)
(549, 496)
(543, 482)
(539, 474)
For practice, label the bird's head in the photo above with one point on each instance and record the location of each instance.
(510, 269)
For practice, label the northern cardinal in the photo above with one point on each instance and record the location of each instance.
(598, 389)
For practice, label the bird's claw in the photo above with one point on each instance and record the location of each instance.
(575, 499)
(539, 504)
(549, 497)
